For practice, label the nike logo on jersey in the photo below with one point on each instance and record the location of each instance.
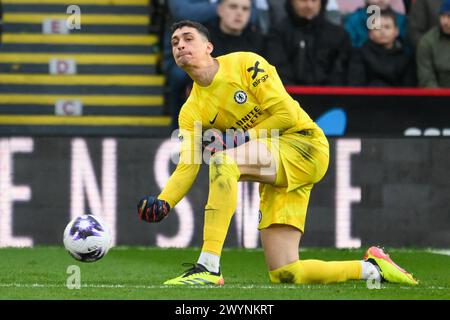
(255, 70)
(213, 120)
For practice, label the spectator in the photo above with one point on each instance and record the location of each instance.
(349, 6)
(262, 6)
(407, 4)
(306, 48)
(332, 11)
(433, 52)
(277, 10)
(231, 31)
(423, 16)
(382, 61)
(356, 22)
(337, 10)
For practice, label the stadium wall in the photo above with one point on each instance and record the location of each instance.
(392, 192)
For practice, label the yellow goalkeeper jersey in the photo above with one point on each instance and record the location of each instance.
(246, 93)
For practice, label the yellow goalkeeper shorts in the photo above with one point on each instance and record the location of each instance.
(302, 160)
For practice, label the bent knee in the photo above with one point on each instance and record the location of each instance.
(222, 166)
(219, 158)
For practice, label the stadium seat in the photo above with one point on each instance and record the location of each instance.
(100, 78)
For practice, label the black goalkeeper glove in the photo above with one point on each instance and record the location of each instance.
(225, 140)
(151, 209)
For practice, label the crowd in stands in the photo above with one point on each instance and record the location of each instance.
(325, 42)
(321, 42)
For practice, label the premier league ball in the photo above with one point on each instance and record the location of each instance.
(87, 238)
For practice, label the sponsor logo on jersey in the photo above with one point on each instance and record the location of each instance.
(255, 70)
(262, 79)
(249, 120)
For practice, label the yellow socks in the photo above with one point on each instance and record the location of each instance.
(222, 201)
(316, 271)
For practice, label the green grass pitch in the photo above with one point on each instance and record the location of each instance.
(138, 273)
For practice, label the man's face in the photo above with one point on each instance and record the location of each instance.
(387, 33)
(383, 4)
(234, 15)
(307, 9)
(444, 21)
(189, 47)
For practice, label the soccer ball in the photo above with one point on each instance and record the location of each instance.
(87, 238)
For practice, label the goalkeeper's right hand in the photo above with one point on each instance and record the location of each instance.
(151, 209)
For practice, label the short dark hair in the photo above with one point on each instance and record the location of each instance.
(389, 13)
(193, 24)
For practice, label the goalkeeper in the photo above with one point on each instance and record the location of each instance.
(274, 143)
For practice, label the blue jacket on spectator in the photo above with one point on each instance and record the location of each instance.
(197, 10)
(356, 26)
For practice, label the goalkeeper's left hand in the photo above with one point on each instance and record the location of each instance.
(226, 140)
(151, 209)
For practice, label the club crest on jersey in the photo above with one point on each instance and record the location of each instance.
(240, 97)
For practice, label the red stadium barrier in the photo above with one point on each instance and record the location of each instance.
(375, 112)
(367, 91)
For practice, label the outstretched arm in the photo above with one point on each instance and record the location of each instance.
(179, 184)
(156, 208)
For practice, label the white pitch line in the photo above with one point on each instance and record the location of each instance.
(440, 251)
(251, 287)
